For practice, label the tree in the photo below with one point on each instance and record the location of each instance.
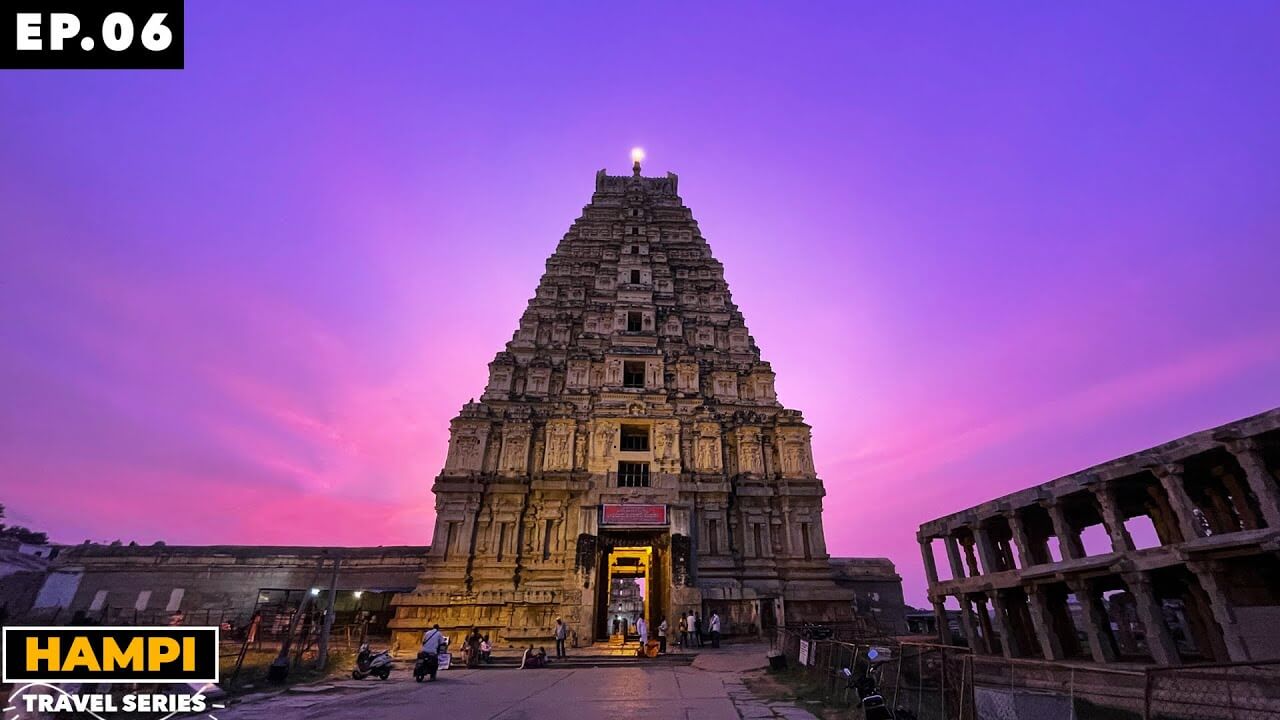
(21, 534)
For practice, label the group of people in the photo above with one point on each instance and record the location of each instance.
(691, 630)
(477, 649)
(691, 634)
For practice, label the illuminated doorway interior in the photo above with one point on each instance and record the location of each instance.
(629, 586)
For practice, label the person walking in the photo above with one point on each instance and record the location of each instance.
(662, 636)
(642, 628)
(562, 632)
(715, 630)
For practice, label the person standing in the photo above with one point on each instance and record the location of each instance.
(690, 625)
(642, 628)
(473, 648)
(715, 630)
(662, 636)
(562, 632)
(697, 629)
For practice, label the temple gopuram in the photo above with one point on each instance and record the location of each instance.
(629, 431)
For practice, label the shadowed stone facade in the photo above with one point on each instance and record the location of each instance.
(632, 381)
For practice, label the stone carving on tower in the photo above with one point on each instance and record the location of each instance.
(631, 380)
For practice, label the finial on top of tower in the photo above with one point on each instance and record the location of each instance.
(637, 154)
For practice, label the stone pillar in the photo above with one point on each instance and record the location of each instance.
(988, 631)
(1202, 625)
(1068, 540)
(1162, 517)
(1005, 552)
(966, 623)
(931, 576)
(1112, 518)
(940, 617)
(1221, 518)
(1170, 477)
(1159, 641)
(971, 562)
(1096, 622)
(1260, 481)
(1038, 605)
(930, 566)
(1223, 612)
(953, 556)
(1026, 555)
(986, 550)
(1125, 640)
(1004, 625)
(1239, 499)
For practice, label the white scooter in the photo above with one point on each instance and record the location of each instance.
(371, 663)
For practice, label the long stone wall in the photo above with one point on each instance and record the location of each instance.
(103, 583)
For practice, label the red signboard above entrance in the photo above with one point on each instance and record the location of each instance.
(633, 514)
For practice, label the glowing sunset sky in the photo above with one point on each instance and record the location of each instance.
(239, 303)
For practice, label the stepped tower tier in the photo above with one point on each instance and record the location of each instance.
(629, 430)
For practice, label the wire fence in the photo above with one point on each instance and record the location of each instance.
(923, 681)
(1235, 691)
(1005, 689)
(917, 681)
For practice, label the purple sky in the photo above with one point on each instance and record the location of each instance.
(982, 247)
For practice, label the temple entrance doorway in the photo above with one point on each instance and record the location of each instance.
(630, 585)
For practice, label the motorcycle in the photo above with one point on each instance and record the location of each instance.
(813, 631)
(429, 664)
(869, 698)
(370, 663)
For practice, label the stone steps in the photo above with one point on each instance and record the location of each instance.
(587, 660)
(599, 661)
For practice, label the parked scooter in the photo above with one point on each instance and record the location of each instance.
(370, 663)
(867, 685)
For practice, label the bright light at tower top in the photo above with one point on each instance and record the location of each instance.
(637, 154)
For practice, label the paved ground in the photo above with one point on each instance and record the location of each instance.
(710, 689)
